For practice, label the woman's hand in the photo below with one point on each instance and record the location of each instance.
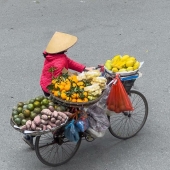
(89, 68)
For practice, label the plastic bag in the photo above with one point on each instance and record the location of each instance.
(97, 118)
(118, 99)
(71, 132)
(82, 124)
(95, 134)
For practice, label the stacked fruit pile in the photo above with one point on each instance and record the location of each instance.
(78, 88)
(25, 111)
(123, 63)
(47, 120)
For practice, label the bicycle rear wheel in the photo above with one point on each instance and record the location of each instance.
(54, 149)
(127, 124)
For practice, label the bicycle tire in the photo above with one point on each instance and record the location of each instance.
(122, 125)
(52, 153)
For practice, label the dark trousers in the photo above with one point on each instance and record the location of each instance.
(46, 94)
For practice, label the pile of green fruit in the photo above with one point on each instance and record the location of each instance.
(24, 111)
(125, 63)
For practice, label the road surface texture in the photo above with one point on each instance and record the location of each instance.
(104, 28)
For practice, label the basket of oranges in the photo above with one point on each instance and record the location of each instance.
(76, 90)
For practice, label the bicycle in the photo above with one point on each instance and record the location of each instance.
(53, 149)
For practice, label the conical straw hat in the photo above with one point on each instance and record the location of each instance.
(60, 42)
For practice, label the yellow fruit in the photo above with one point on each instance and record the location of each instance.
(57, 93)
(122, 70)
(116, 57)
(74, 100)
(53, 81)
(125, 57)
(108, 65)
(129, 63)
(108, 61)
(79, 100)
(67, 87)
(136, 65)
(114, 70)
(63, 96)
(121, 64)
(129, 69)
(132, 58)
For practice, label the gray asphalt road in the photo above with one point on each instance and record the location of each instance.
(104, 28)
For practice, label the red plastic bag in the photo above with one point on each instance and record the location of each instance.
(118, 99)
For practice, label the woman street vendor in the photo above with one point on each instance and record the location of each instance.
(55, 58)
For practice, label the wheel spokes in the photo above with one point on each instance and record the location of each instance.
(55, 151)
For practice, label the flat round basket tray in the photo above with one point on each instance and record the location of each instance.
(74, 104)
(34, 133)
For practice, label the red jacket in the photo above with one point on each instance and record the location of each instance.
(59, 61)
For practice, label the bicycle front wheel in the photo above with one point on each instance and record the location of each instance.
(54, 150)
(127, 124)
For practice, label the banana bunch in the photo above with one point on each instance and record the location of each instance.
(101, 81)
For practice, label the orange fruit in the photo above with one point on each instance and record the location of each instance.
(74, 100)
(63, 90)
(78, 96)
(67, 87)
(85, 99)
(68, 98)
(63, 96)
(79, 100)
(53, 81)
(85, 93)
(61, 87)
(81, 87)
(56, 93)
(74, 96)
(80, 83)
(62, 83)
(74, 84)
(74, 78)
(56, 85)
(67, 81)
(69, 78)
